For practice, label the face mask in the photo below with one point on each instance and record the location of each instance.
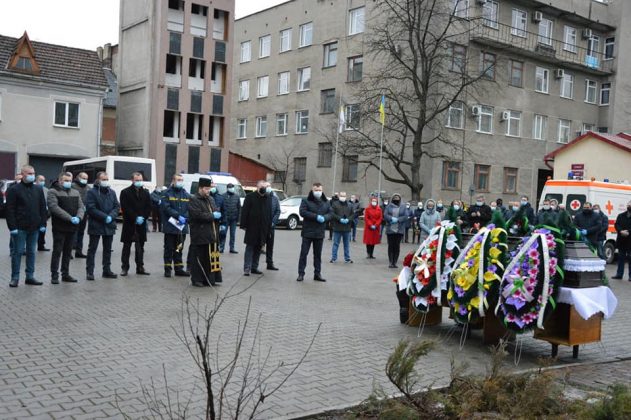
(179, 185)
(374, 203)
(231, 190)
(385, 203)
(29, 179)
(213, 190)
(317, 194)
(439, 207)
(587, 211)
(456, 207)
(493, 208)
(479, 203)
(67, 185)
(553, 207)
(342, 199)
(268, 190)
(597, 211)
(430, 209)
(407, 206)
(515, 208)
(104, 184)
(138, 184)
(396, 202)
(523, 202)
(42, 183)
(83, 181)
(545, 207)
(262, 190)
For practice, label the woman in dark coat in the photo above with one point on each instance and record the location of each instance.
(204, 218)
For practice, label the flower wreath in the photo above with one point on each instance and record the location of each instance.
(518, 224)
(532, 280)
(431, 266)
(476, 277)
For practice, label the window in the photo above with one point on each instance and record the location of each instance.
(302, 122)
(196, 101)
(539, 127)
(281, 124)
(66, 114)
(173, 99)
(306, 34)
(327, 101)
(285, 40)
(304, 79)
(545, 32)
(513, 124)
(609, 47)
(197, 69)
(564, 131)
(458, 58)
(246, 51)
(280, 177)
(198, 47)
(349, 168)
(262, 86)
(516, 73)
(283, 83)
(590, 91)
(355, 68)
(588, 127)
(193, 159)
(261, 127)
(487, 65)
(170, 153)
(460, 8)
(485, 120)
(567, 86)
(603, 130)
(194, 128)
(481, 177)
(244, 90)
(24, 63)
(356, 21)
(325, 155)
(300, 169)
(593, 45)
(489, 13)
(215, 159)
(352, 117)
(455, 115)
(542, 79)
(242, 128)
(569, 39)
(171, 127)
(265, 46)
(175, 43)
(451, 175)
(330, 54)
(520, 19)
(510, 180)
(605, 89)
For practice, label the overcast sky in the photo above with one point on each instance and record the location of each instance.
(79, 23)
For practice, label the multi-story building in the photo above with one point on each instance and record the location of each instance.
(51, 104)
(173, 83)
(556, 68)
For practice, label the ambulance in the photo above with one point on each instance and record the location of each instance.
(611, 197)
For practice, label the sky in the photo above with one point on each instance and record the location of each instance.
(79, 23)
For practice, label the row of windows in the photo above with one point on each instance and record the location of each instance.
(325, 156)
(452, 177)
(198, 19)
(305, 37)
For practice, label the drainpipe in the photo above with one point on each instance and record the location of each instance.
(99, 124)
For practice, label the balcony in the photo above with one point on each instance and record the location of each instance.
(545, 49)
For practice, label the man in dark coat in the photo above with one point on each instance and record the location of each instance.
(102, 207)
(529, 211)
(546, 215)
(315, 211)
(26, 216)
(589, 224)
(602, 233)
(136, 208)
(343, 212)
(204, 217)
(623, 241)
(479, 214)
(174, 208)
(219, 203)
(256, 220)
(269, 244)
(232, 211)
(67, 210)
(80, 184)
(41, 241)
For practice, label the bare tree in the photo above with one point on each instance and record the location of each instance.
(281, 162)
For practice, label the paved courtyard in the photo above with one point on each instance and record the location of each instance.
(83, 350)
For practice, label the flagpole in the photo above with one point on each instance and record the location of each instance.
(337, 141)
(380, 163)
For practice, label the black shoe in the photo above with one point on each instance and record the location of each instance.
(198, 285)
(372, 258)
(182, 273)
(89, 277)
(246, 273)
(332, 261)
(69, 279)
(33, 282)
(142, 272)
(123, 273)
(110, 275)
(403, 315)
(319, 278)
(167, 273)
(43, 249)
(256, 271)
(13, 283)
(349, 262)
(392, 266)
(367, 257)
(300, 278)
(272, 267)
(54, 280)
(617, 277)
(80, 254)
(232, 251)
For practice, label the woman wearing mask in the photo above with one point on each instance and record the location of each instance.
(396, 217)
(429, 218)
(456, 214)
(372, 226)
(440, 209)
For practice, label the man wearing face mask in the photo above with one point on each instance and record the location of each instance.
(623, 242)
(410, 214)
(528, 210)
(342, 216)
(136, 208)
(315, 211)
(26, 218)
(269, 244)
(80, 184)
(219, 203)
(232, 210)
(395, 216)
(256, 220)
(357, 211)
(174, 207)
(416, 223)
(589, 224)
(41, 240)
(479, 214)
(602, 233)
(440, 209)
(67, 210)
(373, 217)
(546, 215)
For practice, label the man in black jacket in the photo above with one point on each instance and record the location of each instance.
(602, 233)
(343, 212)
(588, 223)
(136, 207)
(256, 220)
(81, 185)
(315, 211)
(623, 241)
(269, 244)
(26, 218)
(479, 214)
(529, 211)
(232, 210)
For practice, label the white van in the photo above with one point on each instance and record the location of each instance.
(119, 169)
(221, 179)
(611, 197)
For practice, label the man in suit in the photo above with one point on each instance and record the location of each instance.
(136, 206)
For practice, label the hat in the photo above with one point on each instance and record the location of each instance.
(205, 182)
(230, 185)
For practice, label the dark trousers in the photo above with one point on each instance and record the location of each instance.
(269, 248)
(173, 250)
(370, 249)
(155, 219)
(107, 253)
(251, 258)
(406, 235)
(139, 255)
(394, 247)
(317, 255)
(41, 240)
(78, 244)
(231, 227)
(62, 248)
(624, 256)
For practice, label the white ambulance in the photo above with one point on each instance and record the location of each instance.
(611, 197)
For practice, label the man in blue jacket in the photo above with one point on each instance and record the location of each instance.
(315, 211)
(174, 208)
(102, 207)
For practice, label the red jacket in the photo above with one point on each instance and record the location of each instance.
(372, 216)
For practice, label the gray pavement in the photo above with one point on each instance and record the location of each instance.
(81, 350)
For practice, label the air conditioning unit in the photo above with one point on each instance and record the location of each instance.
(475, 110)
(587, 33)
(559, 73)
(537, 16)
(481, 2)
(505, 115)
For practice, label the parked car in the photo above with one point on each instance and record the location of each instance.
(290, 212)
(4, 186)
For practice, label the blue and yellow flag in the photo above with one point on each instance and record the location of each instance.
(382, 110)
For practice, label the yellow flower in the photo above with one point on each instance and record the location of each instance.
(450, 294)
(475, 302)
(494, 252)
(490, 276)
(477, 246)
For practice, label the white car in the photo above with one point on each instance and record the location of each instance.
(290, 212)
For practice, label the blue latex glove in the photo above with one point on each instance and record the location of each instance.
(140, 220)
(343, 221)
(14, 232)
(108, 220)
(182, 220)
(75, 220)
(373, 227)
(42, 229)
(394, 220)
(217, 215)
(320, 218)
(583, 232)
(222, 228)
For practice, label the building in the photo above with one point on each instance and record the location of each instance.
(108, 55)
(557, 68)
(51, 103)
(173, 82)
(594, 155)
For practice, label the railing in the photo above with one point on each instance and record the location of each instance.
(546, 48)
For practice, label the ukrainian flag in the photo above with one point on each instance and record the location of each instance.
(382, 110)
